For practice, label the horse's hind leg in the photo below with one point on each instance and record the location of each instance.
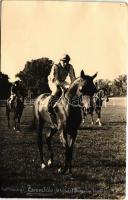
(50, 150)
(18, 124)
(92, 119)
(19, 118)
(8, 117)
(40, 141)
(15, 123)
(99, 117)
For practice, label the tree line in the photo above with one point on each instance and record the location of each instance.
(34, 77)
(5, 86)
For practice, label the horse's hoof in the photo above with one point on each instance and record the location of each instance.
(65, 171)
(59, 170)
(50, 163)
(43, 166)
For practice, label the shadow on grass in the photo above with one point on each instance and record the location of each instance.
(116, 123)
(103, 163)
(93, 128)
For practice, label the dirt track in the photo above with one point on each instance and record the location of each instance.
(98, 165)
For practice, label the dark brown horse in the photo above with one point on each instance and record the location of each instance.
(16, 108)
(97, 102)
(68, 112)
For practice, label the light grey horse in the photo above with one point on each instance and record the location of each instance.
(69, 118)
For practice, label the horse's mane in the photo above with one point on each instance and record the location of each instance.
(73, 87)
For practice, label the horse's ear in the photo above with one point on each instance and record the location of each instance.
(82, 75)
(95, 75)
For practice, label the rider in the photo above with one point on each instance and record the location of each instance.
(17, 91)
(57, 79)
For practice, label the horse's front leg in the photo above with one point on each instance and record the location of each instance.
(92, 119)
(68, 158)
(15, 123)
(50, 150)
(18, 124)
(40, 142)
(69, 143)
(8, 118)
(83, 113)
(99, 117)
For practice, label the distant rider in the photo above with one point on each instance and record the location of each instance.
(17, 92)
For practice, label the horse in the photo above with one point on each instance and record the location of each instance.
(69, 118)
(16, 107)
(97, 102)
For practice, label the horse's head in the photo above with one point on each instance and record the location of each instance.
(86, 88)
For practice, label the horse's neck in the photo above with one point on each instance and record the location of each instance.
(72, 91)
(70, 95)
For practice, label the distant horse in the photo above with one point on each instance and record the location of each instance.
(97, 102)
(68, 116)
(16, 108)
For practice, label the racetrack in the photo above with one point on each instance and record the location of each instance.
(98, 164)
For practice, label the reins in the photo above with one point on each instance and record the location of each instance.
(68, 101)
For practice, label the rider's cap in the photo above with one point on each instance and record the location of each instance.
(66, 57)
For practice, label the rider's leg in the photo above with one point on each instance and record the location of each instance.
(56, 93)
(12, 98)
(53, 99)
(53, 88)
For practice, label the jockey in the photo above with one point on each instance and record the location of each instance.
(57, 79)
(17, 91)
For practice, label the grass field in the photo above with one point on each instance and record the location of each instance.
(98, 164)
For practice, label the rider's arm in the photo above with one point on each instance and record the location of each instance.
(52, 74)
(72, 74)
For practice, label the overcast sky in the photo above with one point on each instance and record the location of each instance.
(95, 35)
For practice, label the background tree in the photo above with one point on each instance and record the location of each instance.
(35, 78)
(120, 85)
(5, 86)
(117, 87)
(101, 83)
(35, 75)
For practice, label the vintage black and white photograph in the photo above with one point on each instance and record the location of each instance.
(63, 88)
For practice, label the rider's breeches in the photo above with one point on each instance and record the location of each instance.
(54, 87)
